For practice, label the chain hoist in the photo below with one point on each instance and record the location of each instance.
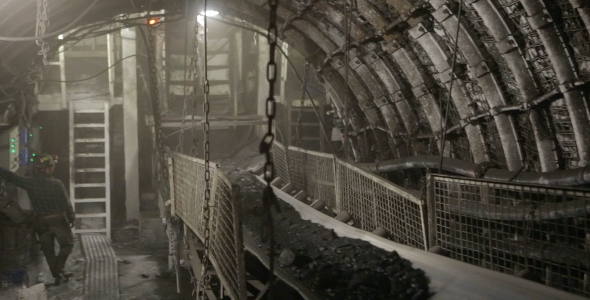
(269, 199)
(155, 97)
(42, 24)
(205, 277)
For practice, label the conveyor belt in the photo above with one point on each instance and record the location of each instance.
(251, 246)
(102, 279)
(450, 279)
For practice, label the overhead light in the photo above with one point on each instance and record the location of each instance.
(153, 21)
(209, 13)
(61, 36)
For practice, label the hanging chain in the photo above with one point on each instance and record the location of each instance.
(205, 277)
(42, 24)
(299, 129)
(269, 199)
(155, 97)
(195, 76)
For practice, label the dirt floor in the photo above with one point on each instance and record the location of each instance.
(330, 266)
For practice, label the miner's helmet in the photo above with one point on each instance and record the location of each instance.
(43, 161)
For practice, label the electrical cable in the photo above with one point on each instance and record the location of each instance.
(92, 77)
(456, 46)
(51, 34)
(346, 75)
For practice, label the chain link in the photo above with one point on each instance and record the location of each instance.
(41, 28)
(155, 97)
(205, 277)
(269, 199)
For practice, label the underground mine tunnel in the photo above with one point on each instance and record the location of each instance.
(294, 149)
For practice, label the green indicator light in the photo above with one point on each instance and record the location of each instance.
(32, 159)
(12, 140)
(12, 151)
(34, 154)
(30, 134)
(40, 127)
(12, 145)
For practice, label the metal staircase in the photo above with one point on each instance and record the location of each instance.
(90, 186)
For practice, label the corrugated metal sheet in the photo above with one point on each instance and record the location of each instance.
(102, 276)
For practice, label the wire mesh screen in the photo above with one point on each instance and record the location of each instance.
(372, 201)
(313, 172)
(279, 154)
(188, 188)
(375, 202)
(536, 232)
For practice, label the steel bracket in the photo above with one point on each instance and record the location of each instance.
(540, 19)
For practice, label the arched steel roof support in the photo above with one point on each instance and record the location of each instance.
(460, 99)
(476, 61)
(510, 51)
(541, 21)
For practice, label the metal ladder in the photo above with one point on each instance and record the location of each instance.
(90, 186)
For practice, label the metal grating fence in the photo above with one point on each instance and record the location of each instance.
(536, 232)
(372, 201)
(280, 157)
(375, 202)
(313, 172)
(187, 186)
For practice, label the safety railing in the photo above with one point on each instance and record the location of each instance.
(536, 232)
(372, 201)
(187, 188)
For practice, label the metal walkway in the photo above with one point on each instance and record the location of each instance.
(102, 276)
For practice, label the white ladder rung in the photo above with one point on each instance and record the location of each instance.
(89, 111)
(89, 155)
(90, 184)
(89, 200)
(89, 125)
(97, 215)
(88, 170)
(97, 140)
(90, 230)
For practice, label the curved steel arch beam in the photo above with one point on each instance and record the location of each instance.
(476, 61)
(460, 99)
(418, 80)
(375, 62)
(376, 92)
(540, 21)
(510, 51)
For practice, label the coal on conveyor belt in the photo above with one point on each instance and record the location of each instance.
(332, 267)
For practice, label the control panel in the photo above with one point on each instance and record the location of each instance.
(9, 149)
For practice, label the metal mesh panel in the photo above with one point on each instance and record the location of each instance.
(279, 154)
(537, 232)
(316, 171)
(374, 202)
(562, 124)
(535, 52)
(579, 37)
(297, 161)
(187, 187)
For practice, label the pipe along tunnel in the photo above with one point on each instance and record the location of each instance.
(457, 126)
